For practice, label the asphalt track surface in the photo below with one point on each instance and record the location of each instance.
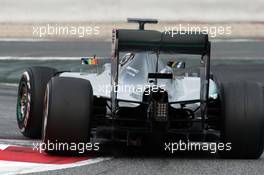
(131, 160)
(219, 49)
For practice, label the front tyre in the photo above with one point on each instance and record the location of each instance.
(30, 97)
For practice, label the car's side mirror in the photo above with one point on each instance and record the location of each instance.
(180, 65)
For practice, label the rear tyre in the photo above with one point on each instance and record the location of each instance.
(31, 92)
(67, 115)
(243, 119)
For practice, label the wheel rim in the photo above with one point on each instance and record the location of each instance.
(22, 103)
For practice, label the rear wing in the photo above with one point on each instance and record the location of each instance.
(150, 40)
(128, 40)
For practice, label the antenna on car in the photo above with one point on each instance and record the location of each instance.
(142, 22)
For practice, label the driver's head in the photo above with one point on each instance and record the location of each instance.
(171, 64)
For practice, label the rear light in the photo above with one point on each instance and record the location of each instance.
(158, 111)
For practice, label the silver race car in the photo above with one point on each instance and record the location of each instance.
(147, 89)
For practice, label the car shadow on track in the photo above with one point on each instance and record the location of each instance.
(122, 150)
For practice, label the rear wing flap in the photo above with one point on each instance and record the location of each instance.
(150, 40)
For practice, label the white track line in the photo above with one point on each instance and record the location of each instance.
(9, 167)
(9, 84)
(18, 142)
(79, 58)
(39, 58)
(46, 58)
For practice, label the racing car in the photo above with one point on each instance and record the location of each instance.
(145, 90)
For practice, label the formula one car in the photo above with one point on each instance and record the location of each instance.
(144, 91)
